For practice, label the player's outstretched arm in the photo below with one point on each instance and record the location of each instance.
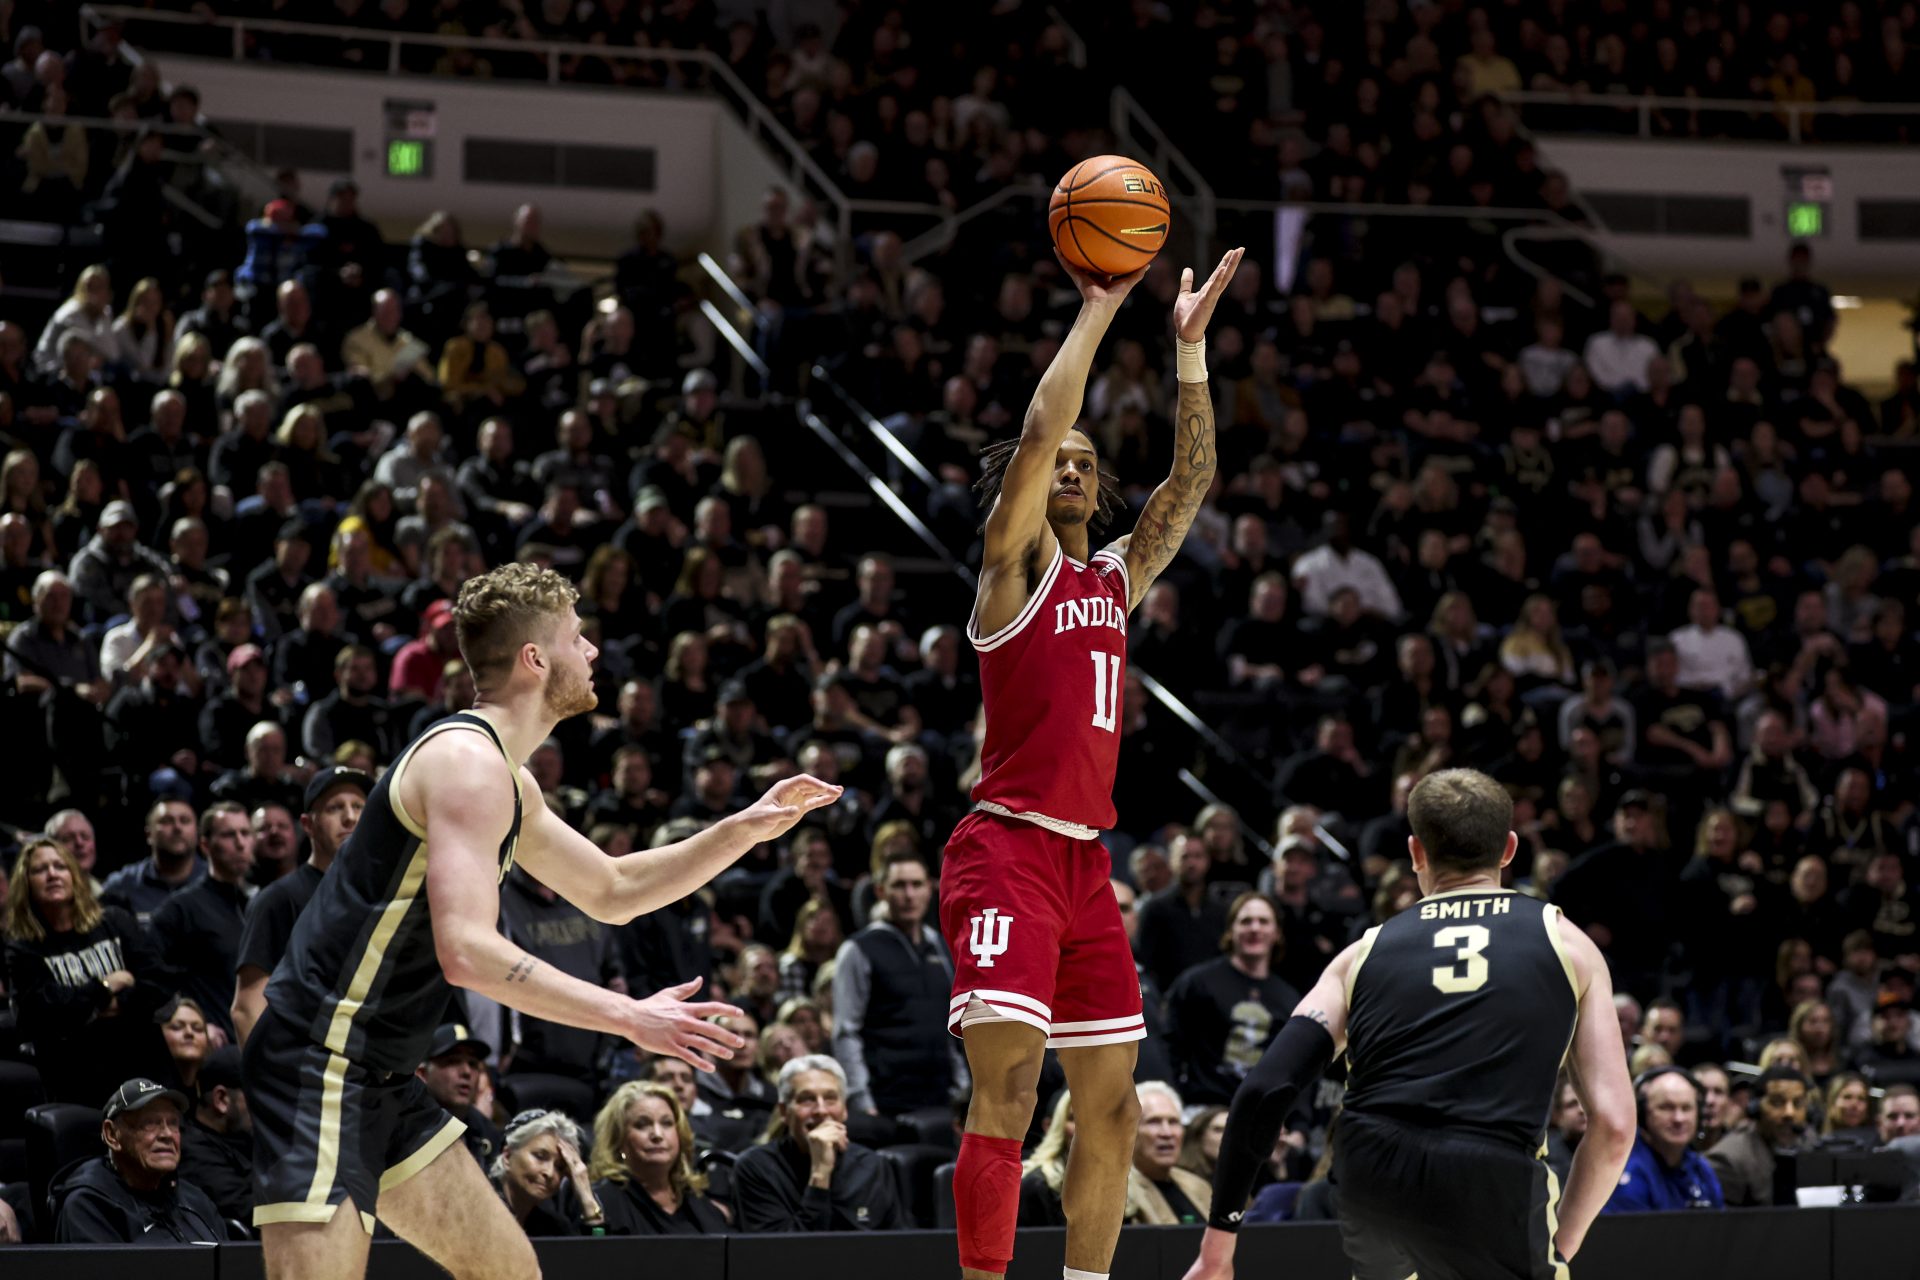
(1305, 1047)
(1018, 520)
(469, 814)
(615, 890)
(1599, 1063)
(1171, 508)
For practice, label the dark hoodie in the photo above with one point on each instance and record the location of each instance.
(94, 1205)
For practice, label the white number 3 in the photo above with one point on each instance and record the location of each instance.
(1106, 690)
(1471, 939)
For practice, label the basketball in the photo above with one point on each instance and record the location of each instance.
(1108, 216)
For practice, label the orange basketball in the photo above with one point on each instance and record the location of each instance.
(1108, 216)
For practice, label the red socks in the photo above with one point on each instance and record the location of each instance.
(986, 1201)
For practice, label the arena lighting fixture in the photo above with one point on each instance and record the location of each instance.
(1846, 302)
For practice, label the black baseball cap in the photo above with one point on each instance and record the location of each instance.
(733, 691)
(712, 753)
(139, 1092)
(1636, 799)
(456, 1035)
(336, 776)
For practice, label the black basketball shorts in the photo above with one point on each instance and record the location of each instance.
(1442, 1205)
(326, 1129)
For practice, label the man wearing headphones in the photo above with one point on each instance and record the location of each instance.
(1663, 1170)
(1745, 1159)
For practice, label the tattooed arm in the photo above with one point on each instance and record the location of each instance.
(1170, 511)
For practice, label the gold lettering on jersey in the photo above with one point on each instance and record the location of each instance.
(1466, 908)
(1094, 611)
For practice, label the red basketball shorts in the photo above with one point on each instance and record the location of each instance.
(1036, 934)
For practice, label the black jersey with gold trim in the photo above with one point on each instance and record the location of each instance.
(1461, 1010)
(360, 972)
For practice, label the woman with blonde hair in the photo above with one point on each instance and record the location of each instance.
(248, 367)
(1044, 1173)
(85, 979)
(643, 1170)
(1811, 1027)
(805, 1017)
(21, 494)
(760, 517)
(88, 312)
(143, 333)
(191, 373)
(1534, 651)
(1850, 1120)
(74, 518)
(300, 441)
(686, 692)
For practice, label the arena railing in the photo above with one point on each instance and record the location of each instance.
(1138, 135)
(208, 151)
(1640, 115)
(759, 120)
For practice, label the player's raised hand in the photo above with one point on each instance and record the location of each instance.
(1104, 289)
(786, 802)
(1191, 310)
(668, 1023)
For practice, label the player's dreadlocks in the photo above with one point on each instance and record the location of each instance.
(993, 473)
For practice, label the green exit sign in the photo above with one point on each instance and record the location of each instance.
(406, 158)
(1806, 219)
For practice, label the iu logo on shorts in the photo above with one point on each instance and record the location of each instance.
(987, 935)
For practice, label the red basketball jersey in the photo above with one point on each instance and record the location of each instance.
(1052, 681)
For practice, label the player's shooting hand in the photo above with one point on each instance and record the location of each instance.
(1107, 290)
(1191, 310)
(667, 1023)
(786, 802)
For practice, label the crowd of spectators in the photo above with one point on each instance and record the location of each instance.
(1650, 564)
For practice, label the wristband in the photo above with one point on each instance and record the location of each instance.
(1190, 359)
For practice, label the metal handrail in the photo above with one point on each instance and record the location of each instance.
(760, 117)
(1644, 105)
(1510, 241)
(940, 237)
(884, 492)
(1168, 161)
(735, 295)
(1076, 43)
(878, 430)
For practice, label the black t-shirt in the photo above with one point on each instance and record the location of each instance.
(1685, 712)
(1219, 1022)
(271, 915)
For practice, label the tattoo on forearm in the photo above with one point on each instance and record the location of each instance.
(522, 969)
(1170, 512)
(1314, 1015)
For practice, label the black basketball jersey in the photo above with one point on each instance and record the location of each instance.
(360, 972)
(1461, 1010)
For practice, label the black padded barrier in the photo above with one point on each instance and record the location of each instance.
(1868, 1243)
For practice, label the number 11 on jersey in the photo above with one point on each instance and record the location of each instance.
(1106, 690)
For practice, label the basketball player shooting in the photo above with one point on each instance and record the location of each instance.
(1456, 1017)
(1040, 953)
(342, 1129)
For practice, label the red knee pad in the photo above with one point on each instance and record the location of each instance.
(986, 1201)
